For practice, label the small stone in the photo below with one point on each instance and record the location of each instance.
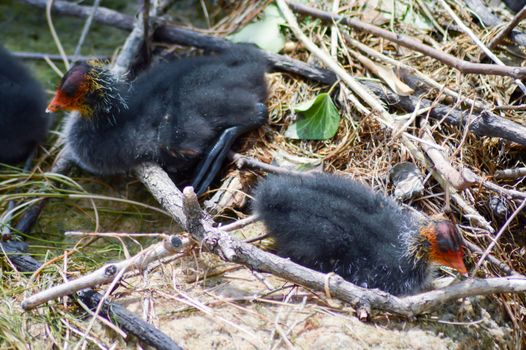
(498, 206)
(408, 181)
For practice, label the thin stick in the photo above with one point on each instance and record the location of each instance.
(510, 173)
(111, 234)
(440, 163)
(495, 240)
(242, 161)
(240, 223)
(257, 238)
(54, 57)
(85, 30)
(507, 30)
(501, 265)
(54, 34)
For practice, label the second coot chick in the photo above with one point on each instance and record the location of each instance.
(23, 124)
(515, 5)
(177, 114)
(334, 224)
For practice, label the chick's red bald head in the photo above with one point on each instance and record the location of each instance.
(446, 244)
(71, 92)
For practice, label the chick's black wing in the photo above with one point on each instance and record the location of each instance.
(215, 100)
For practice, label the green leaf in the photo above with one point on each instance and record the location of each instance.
(265, 33)
(319, 119)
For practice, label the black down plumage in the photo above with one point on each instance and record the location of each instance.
(23, 123)
(175, 112)
(335, 224)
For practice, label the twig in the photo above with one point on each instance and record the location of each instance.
(85, 30)
(510, 173)
(507, 30)
(406, 41)
(242, 161)
(257, 238)
(111, 234)
(508, 270)
(170, 245)
(440, 163)
(236, 225)
(521, 107)
(499, 189)
(41, 56)
(49, 5)
(496, 238)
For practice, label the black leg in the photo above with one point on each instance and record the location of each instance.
(209, 167)
(209, 157)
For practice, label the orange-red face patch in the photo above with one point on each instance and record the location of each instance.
(72, 90)
(445, 245)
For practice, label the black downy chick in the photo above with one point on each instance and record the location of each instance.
(515, 5)
(176, 114)
(333, 224)
(23, 123)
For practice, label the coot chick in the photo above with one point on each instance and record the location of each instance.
(333, 224)
(23, 124)
(515, 5)
(176, 114)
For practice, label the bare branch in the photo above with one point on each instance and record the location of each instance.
(510, 173)
(170, 245)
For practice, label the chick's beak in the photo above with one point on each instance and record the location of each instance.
(54, 105)
(458, 264)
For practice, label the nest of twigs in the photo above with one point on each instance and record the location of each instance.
(201, 301)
